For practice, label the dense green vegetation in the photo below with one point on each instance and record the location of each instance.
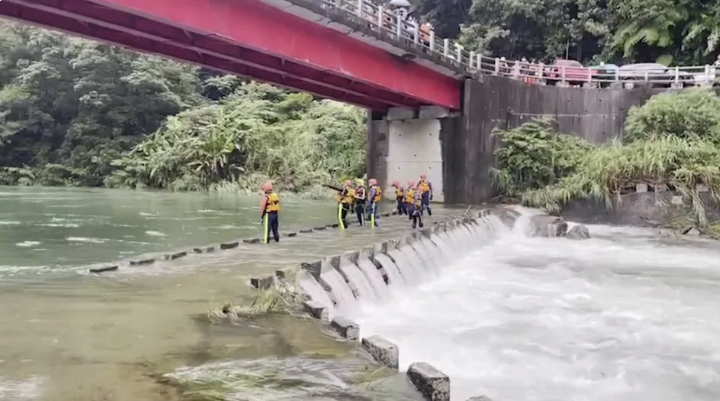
(672, 140)
(76, 112)
(680, 31)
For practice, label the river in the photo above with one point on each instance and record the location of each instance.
(627, 315)
(68, 335)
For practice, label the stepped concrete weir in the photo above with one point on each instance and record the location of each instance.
(334, 287)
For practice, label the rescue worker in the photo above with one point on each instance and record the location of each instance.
(270, 207)
(426, 193)
(409, 203)
(400, 197)
(345, 200)
(417, 210)
(374, 202)
(360, 201)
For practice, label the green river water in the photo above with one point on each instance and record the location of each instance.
(69, 335)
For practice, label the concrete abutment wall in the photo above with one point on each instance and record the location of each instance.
(456, 150)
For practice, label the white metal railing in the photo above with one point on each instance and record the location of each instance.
(395, 27)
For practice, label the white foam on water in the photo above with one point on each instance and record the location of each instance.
(355, 276)
(346, 301)
(315, 291)
(28, 244)
(21, 390)
(547, 319)
(85, 239)
(155, 234)
(382, 291)
(395, 278)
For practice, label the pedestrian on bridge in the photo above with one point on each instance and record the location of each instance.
(270, 207)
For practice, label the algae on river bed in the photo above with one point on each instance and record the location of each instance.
(274, 379)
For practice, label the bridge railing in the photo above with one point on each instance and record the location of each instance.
(397, 27)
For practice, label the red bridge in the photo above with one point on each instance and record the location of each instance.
(301, 44)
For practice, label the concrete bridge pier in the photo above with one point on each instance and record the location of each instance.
(404, 143)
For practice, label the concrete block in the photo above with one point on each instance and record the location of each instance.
(335, 261)
(142, 262)
(104, 269)
(345, 327)
(229, 245)
(677, 200)
(335, 225)
(316, 310)
(382, 351)
(291, 234)
(400, 113)
(262, 283)
(386, 214)
(660, 188)
(248, 241)
(209, 249)
(314, 268)
(319, 228)
(394, 213)
(433, 384)
(429, 112)
(306, 230)
(382, 247)
(197, 250)
(331, 226)
(641, 187)
(352, 257)
(177, 255)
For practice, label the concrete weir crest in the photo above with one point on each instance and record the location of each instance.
(335, 285)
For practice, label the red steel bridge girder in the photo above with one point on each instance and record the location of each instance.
(294, 53)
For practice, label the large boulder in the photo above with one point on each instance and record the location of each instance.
(578, 232)
(542, 225)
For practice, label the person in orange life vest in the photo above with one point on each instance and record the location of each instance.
(400, 197)
(426, 194)
(409, 201)
(374, 202)
(360, 201)
(345, 200)
(270, 207)
(413, 201)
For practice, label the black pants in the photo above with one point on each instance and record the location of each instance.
(344, 210)
(360, 212)
(401, 207)
(273, 223)
(416, 217)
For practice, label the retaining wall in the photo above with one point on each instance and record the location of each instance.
(433, 384)
(648, 206)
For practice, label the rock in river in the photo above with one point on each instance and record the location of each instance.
(547, 226)
(578, 232)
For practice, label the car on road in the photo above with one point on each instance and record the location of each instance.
(574, 72)
(653, 74)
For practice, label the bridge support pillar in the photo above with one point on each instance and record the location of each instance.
(403, 144)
